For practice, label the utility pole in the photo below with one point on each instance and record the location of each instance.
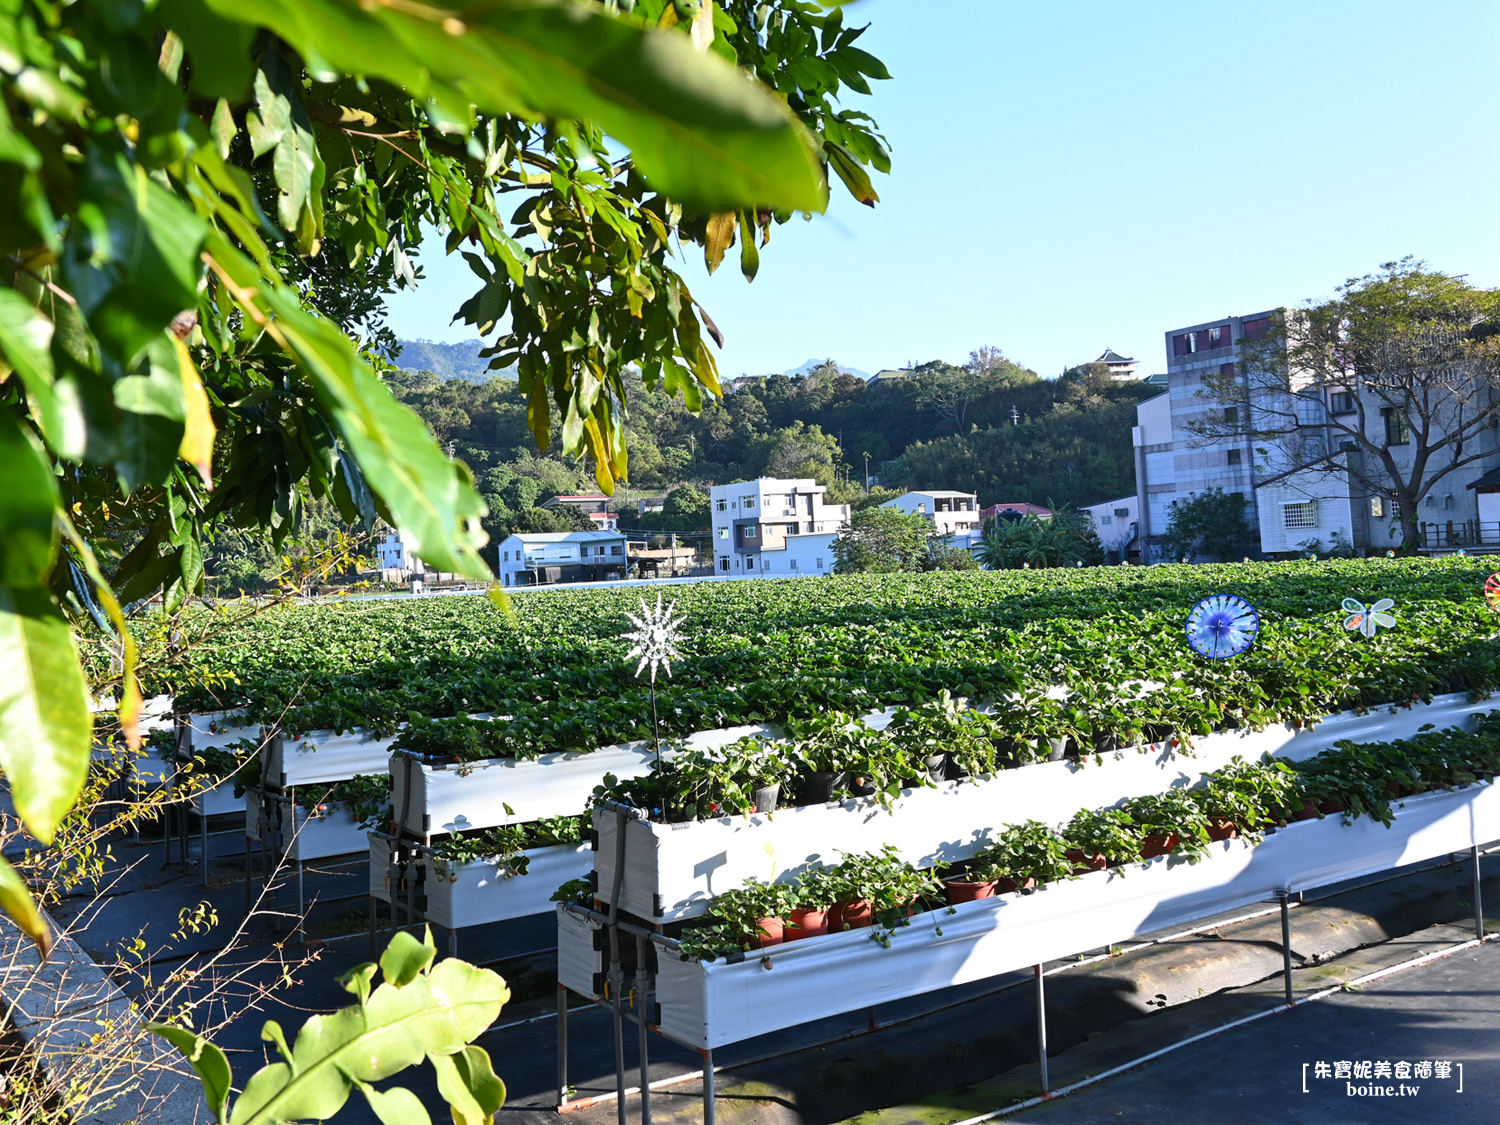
(1015, 416)
(867, 472)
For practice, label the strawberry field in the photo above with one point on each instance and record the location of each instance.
(1096, 656)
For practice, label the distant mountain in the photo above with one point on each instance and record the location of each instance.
(447, 361)
(808, 366)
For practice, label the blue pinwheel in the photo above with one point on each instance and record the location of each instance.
(1221, 626)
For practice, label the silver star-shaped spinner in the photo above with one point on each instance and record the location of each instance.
(654, 637)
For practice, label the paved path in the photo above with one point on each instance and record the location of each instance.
(1444, 1011)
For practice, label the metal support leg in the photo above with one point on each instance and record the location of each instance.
(1478, 900)
(562, 1046)
(374, 923)
(1286, 946)
(452, 942)
(708, 1087)
(247, 875)
(642, 1023)
(1041, 1033)
(203, 837)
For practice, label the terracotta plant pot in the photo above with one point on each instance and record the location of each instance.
(772, 932)
(850, 916)
(1159, 844)
(1223, 830)
(1395, 789)
(1330, 807)
(1308, 811)
(1010, 886)
(806, 923)
(961, 890)
(1086, 862)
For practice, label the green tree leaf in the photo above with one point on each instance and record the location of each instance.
(210, 1063)
(405, 958)
(398, 1106)
(700, 132)
(16, 901)
(44, 714)
(28, 533)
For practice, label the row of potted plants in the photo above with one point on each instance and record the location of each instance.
(1244, 799)
(507, 845)
(822, 759)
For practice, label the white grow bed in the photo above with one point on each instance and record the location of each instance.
(465, 798)
(673, 870)
(322, 757)
(304, 835)
(483, 891)
(707, 1005)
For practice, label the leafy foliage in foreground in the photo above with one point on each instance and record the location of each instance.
(423, 1009)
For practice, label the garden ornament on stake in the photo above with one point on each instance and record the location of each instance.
(1366, 618)
(1492, 591)
(1221, 626)
(654, 644)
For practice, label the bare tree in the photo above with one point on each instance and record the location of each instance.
(1392, 385)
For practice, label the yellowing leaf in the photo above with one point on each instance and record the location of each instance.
(197, 447)
(17, 902)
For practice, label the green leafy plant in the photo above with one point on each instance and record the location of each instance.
(1107, 832)
(1247, 794)
(422, 1009)
(367, 798)
(1022, 852)
(505, 845)
(1173, 813)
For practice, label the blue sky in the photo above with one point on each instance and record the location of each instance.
(1068, 177)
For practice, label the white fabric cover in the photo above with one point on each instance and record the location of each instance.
(321, 757)
(480, 891)
(709, 1005)
(380, 866)
(198, 732)
(577, 962)
(687, 864)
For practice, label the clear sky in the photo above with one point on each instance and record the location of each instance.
(1071, 176)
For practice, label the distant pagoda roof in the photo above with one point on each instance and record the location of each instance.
(1112, 356)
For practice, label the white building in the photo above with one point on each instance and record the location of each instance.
(546, 558)
(1327, 504)
(394, 552)
(1121, 367)
(593, 505)
(774, 528)
(1115, 523)
(952, 514)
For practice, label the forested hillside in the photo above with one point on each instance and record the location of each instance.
(990, 426)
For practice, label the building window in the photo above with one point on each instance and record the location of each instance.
(617, 550)
(1397, 428)
(749, 501)
(820, 562)
(1183, 344)
(750, 531)
(750, 563)
(1341, 402)
(723, 562)
(1377, 506)
(507, 556)
(723, 533)
(1300, 515)
(922, 507)
(1105, 521)
(1348, 445)
(1256, 329)
(1233, 456)
(1219, 337)
(721, 505)
(1122, 512)
(736, 564)
(1231, 414)
(794, 564)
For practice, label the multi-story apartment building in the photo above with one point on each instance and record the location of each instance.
(544, 558)
(774, 528)
(1341, 500)
(952, 514)
(595, 506)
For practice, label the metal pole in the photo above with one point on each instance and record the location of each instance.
(1041, 1033)
(1478, 900)
(616, 976)
(203, 830)
(708, 1087)
(1286, 946)
(642, 1022)
(562, 1046)
(301, 907)
(374, 922)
